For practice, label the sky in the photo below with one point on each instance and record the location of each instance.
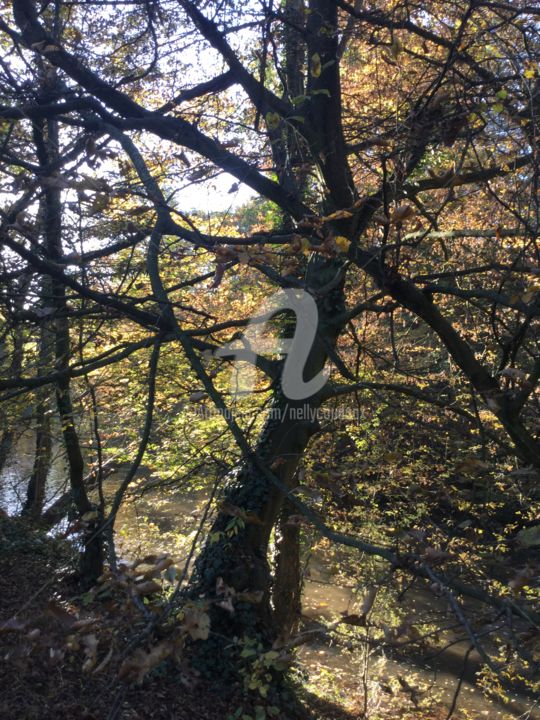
(214, 195)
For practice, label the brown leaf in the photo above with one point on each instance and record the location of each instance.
(135, 667)
(196, 623)
(162, 564)
(218, 276)
(402, 213)
(147, 588)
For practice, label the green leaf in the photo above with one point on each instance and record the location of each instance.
(272, 120)
(248, 652)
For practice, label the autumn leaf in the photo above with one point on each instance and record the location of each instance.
(196, 623)
(140, 663)
(402, 213)
(149, 587)
(316, 66)
(342, 243)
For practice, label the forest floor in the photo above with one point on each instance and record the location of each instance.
(61, 653)
(50, 667)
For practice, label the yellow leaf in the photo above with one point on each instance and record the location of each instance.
(338, 215)
(316, 66)
(342, 243)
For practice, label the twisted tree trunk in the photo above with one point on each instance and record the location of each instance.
(236, 553)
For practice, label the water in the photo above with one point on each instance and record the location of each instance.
(17, 471)
(166, 521)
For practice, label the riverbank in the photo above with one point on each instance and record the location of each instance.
(61, 650)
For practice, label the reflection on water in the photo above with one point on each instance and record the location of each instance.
(17, 471)
(166, 521)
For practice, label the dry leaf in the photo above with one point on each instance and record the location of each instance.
(196, 623)
(402, 213)
(135, 667)
(90, 644)
(147, 588)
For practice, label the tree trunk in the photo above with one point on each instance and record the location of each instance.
(287, 587)
(237, 548)
(91, 559)
(14, 368)
(6, 443)
(35, 494)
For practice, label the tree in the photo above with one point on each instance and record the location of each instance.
(398, 144)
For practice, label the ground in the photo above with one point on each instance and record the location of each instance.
(42, 680)
(63, 651)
